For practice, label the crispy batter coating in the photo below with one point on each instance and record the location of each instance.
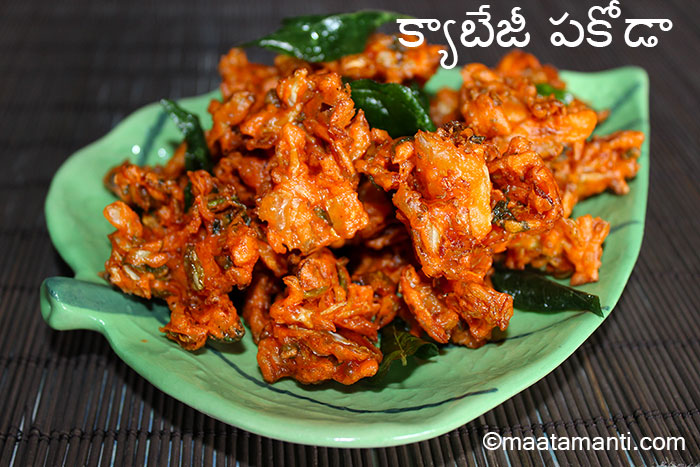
(383, 229)
(381, 270)
(306, 190)
(605, 163)
(573, 246)
(443, 196)
(525, 193)
(385, 59)
(191, 262)
(502, 107)
(445, 108)
(260, 295)
(519, 64)
(310, 204)
(502, 103)
(463, 312)
(323, 327)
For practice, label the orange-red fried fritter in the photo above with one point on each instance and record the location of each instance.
(299, 181)
(323, 327)
(501, 107)
(502, 103)
(605, 163)
(573, 246)
(191, 261)
(462, 312)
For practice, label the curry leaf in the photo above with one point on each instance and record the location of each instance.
(322, 38)
(392, 107)
(197, 155)
(562, 95)
(534, 292)
(189, 199)
(399, 344)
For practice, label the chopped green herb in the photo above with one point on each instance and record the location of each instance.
(562, 95)
(323, 214)
(212, 203)
(193, 268)
(501, 213)
(216, 226)
(343, 278)
(399, 344)
(315, 293)
(224, 261)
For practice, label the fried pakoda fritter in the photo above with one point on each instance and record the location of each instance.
(306, 190)
(502, 103)
(323, 327)
(299, 182)
(573, 246)
(605, 163)
(462, 312)
(192, 260)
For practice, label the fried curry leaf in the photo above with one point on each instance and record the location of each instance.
(392, 107)
(322, 38)
(197, 155)
(532, 291)
(189, 199)
(421, 95)
(562, 95)
(399, 344)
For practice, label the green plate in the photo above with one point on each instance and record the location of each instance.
(412, 404)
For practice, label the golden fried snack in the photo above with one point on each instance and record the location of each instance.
(323, 327)
(256, 309)
(573, 246)
(312, 200)
(312, 357)
(525, 194)
(306, 134)
(502, 107)
(503, 103)
(381, 270)
(385, 59)
(146, 188)
(238, 74)
(606, 163)
(245, 87)
(383, 229)
(433, 315)
(519, 64)
(446, 205)
(297, 170)
(192, 263)
(442, 196)
(463, 312)
(249, 174)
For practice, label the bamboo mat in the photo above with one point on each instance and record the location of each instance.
(70, 70)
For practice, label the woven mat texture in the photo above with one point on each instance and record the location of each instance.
(70, 70)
